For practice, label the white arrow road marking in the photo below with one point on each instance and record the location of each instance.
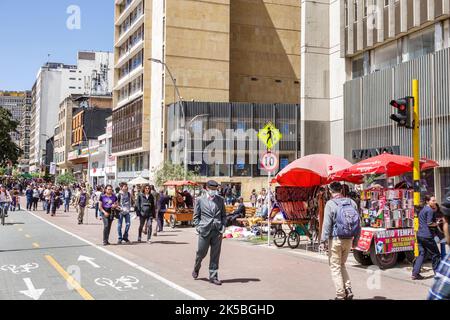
(89, 260)
(32, 292)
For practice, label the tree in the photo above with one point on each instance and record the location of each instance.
(170, 171)
(10, 151)
(66, 179)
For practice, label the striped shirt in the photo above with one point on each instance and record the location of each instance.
(441, 287)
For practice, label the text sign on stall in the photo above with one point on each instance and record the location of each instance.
(269, 162)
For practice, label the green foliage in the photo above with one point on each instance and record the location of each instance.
(170, 172)
(2, 171)
(10, 151)
(66, 179)
(35, 175)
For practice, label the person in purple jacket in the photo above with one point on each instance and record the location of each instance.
(108, 204)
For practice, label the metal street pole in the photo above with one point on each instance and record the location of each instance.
(182, 109)
(416, 152)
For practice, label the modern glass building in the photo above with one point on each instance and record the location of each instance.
(222, 137)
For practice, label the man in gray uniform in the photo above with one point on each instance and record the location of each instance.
(210, 219)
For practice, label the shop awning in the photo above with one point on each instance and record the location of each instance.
(389, 164)
(313, 170)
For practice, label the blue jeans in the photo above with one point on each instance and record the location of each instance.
(127, 226)
(426, 246)
(66, 204)
(443, 249)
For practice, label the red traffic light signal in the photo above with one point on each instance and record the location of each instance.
(405, 112)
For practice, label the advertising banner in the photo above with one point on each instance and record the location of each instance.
(365, 240)
(394, 240)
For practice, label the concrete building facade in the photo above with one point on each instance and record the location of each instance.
(216, 51)
(14, 102)
(55, 82)
(387, 44)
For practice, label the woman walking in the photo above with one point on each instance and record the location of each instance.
(146, 206)
(108, 204)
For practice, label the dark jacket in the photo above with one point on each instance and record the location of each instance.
(209, 215)
(146, 206)
(29, 193)
(240, 211)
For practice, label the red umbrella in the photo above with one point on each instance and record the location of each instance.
(386, 163)
(312, 170)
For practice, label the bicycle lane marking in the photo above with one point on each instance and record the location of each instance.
(69, 279)
(128, 262)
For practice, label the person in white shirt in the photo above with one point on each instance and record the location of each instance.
(5, 199)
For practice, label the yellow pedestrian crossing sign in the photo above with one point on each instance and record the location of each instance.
(270, 135)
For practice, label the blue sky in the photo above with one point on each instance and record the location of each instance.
(31, 29)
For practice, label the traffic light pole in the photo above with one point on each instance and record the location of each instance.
(416, 152)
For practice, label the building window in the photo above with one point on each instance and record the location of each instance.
(420, 44)
(385, 56)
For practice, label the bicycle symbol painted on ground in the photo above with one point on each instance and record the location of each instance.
(26, 268)
(124, 283)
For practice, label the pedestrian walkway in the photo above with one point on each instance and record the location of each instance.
(248, 271)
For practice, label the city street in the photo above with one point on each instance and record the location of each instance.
(44, 257)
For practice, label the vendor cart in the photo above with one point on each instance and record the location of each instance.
(387, 235)
(387, 214)
(301, 210)
(178, 212)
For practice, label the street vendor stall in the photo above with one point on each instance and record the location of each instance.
(387, 214)
(300, 209)
(178, 211)
(301, 197)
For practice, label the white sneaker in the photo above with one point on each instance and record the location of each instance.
(149, 241)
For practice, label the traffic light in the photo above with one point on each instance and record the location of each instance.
(405, 112)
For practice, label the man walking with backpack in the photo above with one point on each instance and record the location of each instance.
(341, 230)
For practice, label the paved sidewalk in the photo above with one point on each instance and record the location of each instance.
(248, 271)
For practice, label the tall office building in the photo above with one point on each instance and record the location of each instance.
(19, 104)
(217, 51)
(55, 82)
(14, 102)
(387, 44)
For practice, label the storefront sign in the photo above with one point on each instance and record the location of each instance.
(73, 155)
(395, 240)
(369, 153)
(365, 240)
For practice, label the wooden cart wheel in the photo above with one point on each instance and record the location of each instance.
(173, 222)
(279, 238)
(293, 239)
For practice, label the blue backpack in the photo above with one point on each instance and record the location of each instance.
(347, 222)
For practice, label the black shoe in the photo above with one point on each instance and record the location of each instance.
(339, 298)
(119, 242)
(216, 281)
(139, 240)
(106, 244)
(418, 277)
(127, 241)
(194, 275)
(349, 294)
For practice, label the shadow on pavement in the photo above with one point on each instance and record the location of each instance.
(239, 280)
(13, 223)
(168, 242)
(376, 298)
